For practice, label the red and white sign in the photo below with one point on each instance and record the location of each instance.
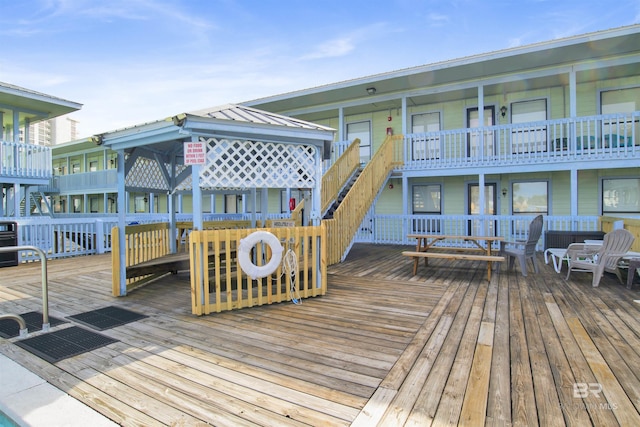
(195, 153)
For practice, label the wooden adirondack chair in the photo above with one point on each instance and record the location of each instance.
(585, 258)
(524, 249)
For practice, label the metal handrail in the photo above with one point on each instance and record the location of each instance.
(45, 281)
(23, 325)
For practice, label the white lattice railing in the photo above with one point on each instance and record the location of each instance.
(256, 164)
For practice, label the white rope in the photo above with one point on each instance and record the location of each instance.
(290, 264)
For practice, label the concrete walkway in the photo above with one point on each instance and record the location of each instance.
(31, 401)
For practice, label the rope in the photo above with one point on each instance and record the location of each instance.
(290, 264)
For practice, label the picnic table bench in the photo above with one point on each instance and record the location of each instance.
(482, 252)
(170, 263)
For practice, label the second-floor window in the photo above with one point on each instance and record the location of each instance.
(617, 132)
(525, 136)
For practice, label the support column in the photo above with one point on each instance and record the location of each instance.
(574, 192)
(122, 221)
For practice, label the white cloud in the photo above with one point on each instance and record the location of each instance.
(332, 48)
(437, 20)
(347, 43)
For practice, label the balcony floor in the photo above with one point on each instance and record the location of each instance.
(381, 348)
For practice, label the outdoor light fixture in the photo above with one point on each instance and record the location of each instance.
(504, 192)
(371, 90)
(503, 111)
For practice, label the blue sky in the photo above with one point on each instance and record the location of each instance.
(134, 61)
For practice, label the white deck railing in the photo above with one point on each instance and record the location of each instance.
(604, 137)
(74, 236)
(393, 229)
(22, 160)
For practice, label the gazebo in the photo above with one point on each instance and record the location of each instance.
(228, 148)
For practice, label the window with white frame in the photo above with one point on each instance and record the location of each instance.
(77, 202)
(619, 131)
(527, 136)
(361, 130)
(530, 198)
(620, 195)
(140, 203)
(427, 147)
(426, 200)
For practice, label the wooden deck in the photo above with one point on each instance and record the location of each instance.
(383, 347)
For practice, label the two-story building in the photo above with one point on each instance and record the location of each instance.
(25, 168)
(548, 128)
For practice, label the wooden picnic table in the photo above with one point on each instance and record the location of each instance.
(425, 242)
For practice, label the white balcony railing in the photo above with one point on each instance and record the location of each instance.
(20, 160)
(103, 180)
(605, 137)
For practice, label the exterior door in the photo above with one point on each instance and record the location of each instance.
(361, 130)
(476, 137)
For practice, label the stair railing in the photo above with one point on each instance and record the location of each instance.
(335, 177)
(349, 215)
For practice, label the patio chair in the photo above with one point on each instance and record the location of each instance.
(583, 258)
(524, 249)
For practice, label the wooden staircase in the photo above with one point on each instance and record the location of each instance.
(353, 206)
(343, 193)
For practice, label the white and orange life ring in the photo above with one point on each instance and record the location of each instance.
(244, 257)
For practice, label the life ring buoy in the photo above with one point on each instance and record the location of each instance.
(248, 243)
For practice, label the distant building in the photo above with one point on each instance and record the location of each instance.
(53, 131)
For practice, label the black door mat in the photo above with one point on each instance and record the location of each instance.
(106, 318)
(9, 328)
(64, 343)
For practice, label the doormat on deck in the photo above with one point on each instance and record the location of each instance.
(106, 318)
(64, 343)
(9, 328)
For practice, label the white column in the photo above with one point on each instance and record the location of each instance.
(574, 192)
(122, 221)
(405, 117)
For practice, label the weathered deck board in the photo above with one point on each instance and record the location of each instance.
(383, 347)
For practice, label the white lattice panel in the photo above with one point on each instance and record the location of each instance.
(255, 164)
(146, 173)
